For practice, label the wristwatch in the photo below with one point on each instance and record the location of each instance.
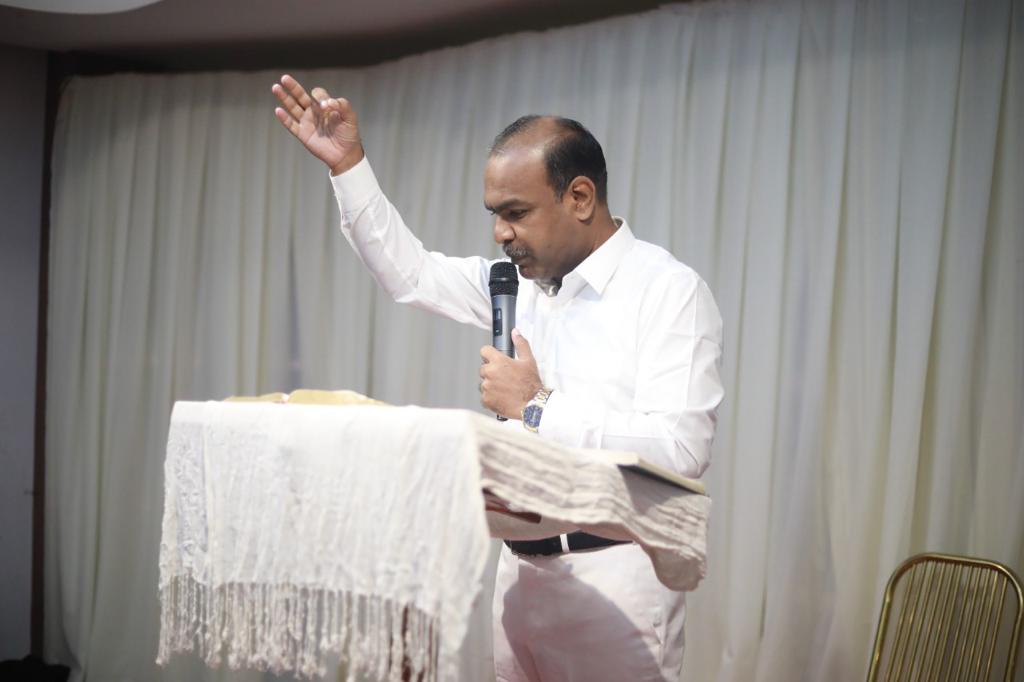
(534, 409)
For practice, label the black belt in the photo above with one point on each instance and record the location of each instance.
(547, 546)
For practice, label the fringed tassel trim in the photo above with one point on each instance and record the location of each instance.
(284, 628)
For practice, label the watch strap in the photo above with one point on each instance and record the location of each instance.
(534, 409)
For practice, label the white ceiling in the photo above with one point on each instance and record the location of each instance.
(257, 33)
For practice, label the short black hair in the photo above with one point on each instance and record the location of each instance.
(574, 152)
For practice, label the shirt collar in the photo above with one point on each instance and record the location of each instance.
(597, 268)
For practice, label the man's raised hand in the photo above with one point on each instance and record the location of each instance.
(326, 126)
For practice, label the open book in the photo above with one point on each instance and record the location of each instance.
(308, 396)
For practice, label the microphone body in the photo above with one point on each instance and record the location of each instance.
(504, 286)
(503, 317)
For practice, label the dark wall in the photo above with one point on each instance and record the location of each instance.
(22, 121)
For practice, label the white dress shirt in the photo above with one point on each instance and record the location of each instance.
(631, 343)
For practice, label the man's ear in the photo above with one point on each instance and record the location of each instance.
(582, 197)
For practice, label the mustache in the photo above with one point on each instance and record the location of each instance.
(515, 252)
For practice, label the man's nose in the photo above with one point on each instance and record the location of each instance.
(503, 232)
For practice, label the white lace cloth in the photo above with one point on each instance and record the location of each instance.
(295, 532)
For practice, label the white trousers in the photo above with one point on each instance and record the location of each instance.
(592, 616)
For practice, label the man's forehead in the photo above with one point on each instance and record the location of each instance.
(515, 164)
(509, 181)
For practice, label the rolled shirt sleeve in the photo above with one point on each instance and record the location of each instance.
(453, 287)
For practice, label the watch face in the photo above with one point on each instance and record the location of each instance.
(531, 415)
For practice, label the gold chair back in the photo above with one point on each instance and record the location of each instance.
(948, 618)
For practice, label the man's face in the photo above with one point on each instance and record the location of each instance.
(537, 230)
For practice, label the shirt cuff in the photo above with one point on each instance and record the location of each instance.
(355, 187)
(565, 421)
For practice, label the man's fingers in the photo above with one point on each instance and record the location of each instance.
(318, 117)
(326, 110)
(522, 346)
(287, 121)
(288, 102)
(295, 90)
(340, 105)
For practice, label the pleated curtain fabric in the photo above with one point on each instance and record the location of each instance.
(846, 175)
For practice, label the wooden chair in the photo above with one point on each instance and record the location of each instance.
(948, 618)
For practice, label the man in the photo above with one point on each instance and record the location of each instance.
(618, 347)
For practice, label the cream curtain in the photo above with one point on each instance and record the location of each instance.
(846, 175)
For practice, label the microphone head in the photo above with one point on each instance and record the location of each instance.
(504, 279)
